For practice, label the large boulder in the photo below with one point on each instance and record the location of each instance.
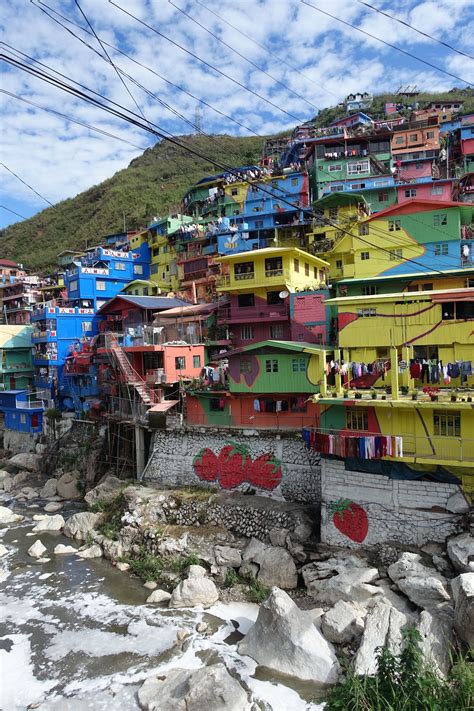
(285, 640)
(230, 557)
(61, 549)
(463, 592)
(80, 524)
(271, 565)
(437, 639)
(7, 516)
(49, 523)
(107, 490)
(210, 687)
(461, 552)
(424, 586)
(193, 592)
(94, 551)
(343, 622)
(37, 549)
(49, 488)
(26, 460)
(158, 596)
(67, 486)
(340, 579)
(383, 627)
(3, 550)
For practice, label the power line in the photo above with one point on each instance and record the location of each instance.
(4, 207)
(25, 183)
(368, 34)
(415, 29)
(207, 64)
(253, 64)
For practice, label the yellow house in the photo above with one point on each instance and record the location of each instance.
(333, 214)
(141, 287)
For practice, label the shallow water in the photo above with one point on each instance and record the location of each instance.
(77, 634)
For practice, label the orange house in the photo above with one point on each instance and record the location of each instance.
(415, 139)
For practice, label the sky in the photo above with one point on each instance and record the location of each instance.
(309, 61)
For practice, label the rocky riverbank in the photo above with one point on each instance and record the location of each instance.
(321, 608)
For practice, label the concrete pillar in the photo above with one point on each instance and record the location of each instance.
(339, 388)
(323, 388)
(139, 450)
(394, 372)
(407, 354)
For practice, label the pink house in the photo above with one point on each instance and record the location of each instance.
(430, 190)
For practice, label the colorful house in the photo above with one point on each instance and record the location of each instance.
(163, 235)
(19, 299)
(16, 364)
(21, 411)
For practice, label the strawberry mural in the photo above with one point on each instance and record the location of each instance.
(233, 466)
(350, 519)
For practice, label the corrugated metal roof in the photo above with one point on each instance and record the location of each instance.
(301, 347)
(157, 303)
(163, 406)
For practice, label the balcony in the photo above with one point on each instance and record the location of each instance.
(274, 312)
(31, 405)
(245, 276)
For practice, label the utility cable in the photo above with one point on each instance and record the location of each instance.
(207, 64)
(378, 39)
(4, 207)
(25, 183)
(415, 29)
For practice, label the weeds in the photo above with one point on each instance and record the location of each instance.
(257, 591)
(112, 511)
(148, 567)
(405, 683)
(178, 564)
(231, 578)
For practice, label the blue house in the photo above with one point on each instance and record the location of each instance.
(21, 412)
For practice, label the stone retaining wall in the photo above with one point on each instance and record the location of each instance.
(386, 510)
(276, 465)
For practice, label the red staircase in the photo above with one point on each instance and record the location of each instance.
(147, 395)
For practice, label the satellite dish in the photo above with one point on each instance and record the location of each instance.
(284, 294)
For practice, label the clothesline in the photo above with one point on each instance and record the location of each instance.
(358, 446)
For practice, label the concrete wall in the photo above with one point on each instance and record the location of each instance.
(385, 510)
(275, 465)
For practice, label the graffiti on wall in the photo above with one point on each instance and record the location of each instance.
(350, 519)
(234, 466)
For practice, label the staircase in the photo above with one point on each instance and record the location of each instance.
(147, 395)
(378, 166)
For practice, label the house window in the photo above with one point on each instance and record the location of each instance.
(369, 290)
(363, 230)
(245, 300)
(153, 268)
(365, 256)
(145, 291)
(165, 249)
(441, 219)
(138, 268)
(245, 365)
(234, 191)
(247, 333)
(258, 224)
(273, 266)
(271, 366)
(120, 266)
(273, 298)
(361, 166)
(294, 181)
(216, 404)
(306, 269)
(338, 263)
(447, 424)
(86, 326)
(23, 419)
(427, 287)
(430, 134)
(276, 331)
(180, 362)
(395, 254)
(419, 166)
(413, 137)
(155, 251)
(356, 419)
(315, 272)
(298, 365)
(296, 265)
(461, 310)
(381, 197)
(394, 226)
(335, 167)
(73, 285)
(196, 361)
(244, 270)
(366, 313)
(100, 285)
(411, 193)
(437, 190)
(441, 249)
(399, 140)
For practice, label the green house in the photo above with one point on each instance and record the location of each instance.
(16, 365)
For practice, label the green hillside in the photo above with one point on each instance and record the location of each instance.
(153, 184)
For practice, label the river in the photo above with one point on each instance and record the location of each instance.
(77, 635)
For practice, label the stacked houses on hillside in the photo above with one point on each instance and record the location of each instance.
(327, 290)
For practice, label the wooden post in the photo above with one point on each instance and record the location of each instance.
(394, 372)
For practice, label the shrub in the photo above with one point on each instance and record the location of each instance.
(257, 591)
(231, 578)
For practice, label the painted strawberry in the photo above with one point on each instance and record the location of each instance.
(206, 465)
(265, 472)
(233, 461)
(350, 519)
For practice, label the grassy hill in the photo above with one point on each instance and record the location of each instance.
(153, 184)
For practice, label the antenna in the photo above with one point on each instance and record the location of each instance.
(198, 118)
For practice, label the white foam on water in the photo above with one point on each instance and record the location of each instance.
(20, 611)
(44, 576)
(244, 613)
(18, 685)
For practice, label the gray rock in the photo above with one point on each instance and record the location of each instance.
(112, 549)
(3, 474)
(107, 490)
(3, 550)
(49, 489)
(94, 551)
(210, 687)
(409, 564)
(225, 555)
(20, 478)
(277, 568)
(278, 536)
(150, 585)
(64, 550)
(159, 596)
(7, 484)
(49, 523)
(196, 571)
(461, 552)
(193, 592)
(80, 524)
(457, 503)
(53, 506)
(26, 460)
(426, 592)
(350, 584)
(441, 564)
(37, 549)
(463, 592)
(67, 486)
(7, 516)
(123, 567)
(437, 639)
(343, 622)
(285, 640)
(383, 626)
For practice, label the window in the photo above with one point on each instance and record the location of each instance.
(271, 365)
(365, 256)
(413, 287)
(419, 166)
(165, 249)
(381, 197)
(216, 405)
(273, 266)
(294, 181)
(335, 167)
(306, 269)
(234, 191)
(369, 290)
(315, 272)
(366, 313)
(361, 166)
(296, 265)
(86, 326)
(153, 268)
(245, 300)
(100, 285)
(196, 361)
(395, 254)
(276, 331)
(356, 419)
(437, 190)
(243, 270)
(273, 298)
(180, 362)
(411, 193)
(246, 333)
(447, 311)
(413, 137)
(145, 291)
(23, 419)
(155, 251)
(441, 219)
(430, 134)
(338, 263)
(73, 285)
(447, 424)
(460, 310)
(363, 230)
(399, 140)
(138, 268)
(298, 365)
(427, 287)
(258, 224)
(394, 226)
(120, 266)
(441, 249)
(245, 365)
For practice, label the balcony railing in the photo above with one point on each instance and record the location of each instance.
(32, 405)
(273, 272)
(244, 276)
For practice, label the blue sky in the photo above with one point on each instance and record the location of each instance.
(60, 158)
